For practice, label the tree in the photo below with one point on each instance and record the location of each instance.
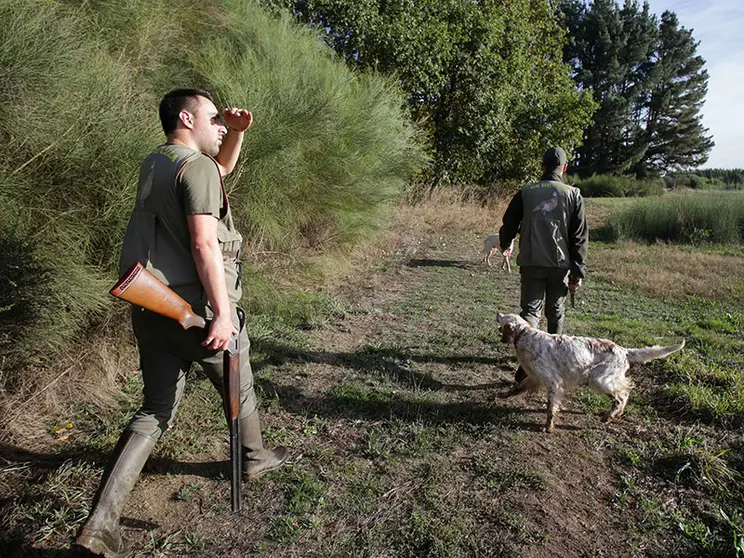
(674, 132)
(485, 79)
(610, 54)
(648, 81)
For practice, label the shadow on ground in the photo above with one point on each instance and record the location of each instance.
(463, 264)
(393, 363)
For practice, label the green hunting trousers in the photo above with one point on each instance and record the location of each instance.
(544, 288)
(166, 353)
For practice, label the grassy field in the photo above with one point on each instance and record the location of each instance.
(399, 444)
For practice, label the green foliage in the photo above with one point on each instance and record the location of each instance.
(730, 177)
(695, 219)
(24, 292)
(327, 150)
(674, 132)
(707, 179)
(650, 85)
(485, 79)
(80, 81)
(608, 185)
(63, 172)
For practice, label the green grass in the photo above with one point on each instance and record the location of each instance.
(51, 508)
(304, 495)
(400, 446)
(684, 218)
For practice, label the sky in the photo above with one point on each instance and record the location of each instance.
(717, 26)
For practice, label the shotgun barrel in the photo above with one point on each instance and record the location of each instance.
(231, 382)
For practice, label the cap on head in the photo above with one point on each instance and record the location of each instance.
(554, 157)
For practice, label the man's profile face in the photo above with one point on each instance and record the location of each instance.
(208, 127)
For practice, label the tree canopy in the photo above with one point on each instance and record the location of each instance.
(485, 79)
(650, 85)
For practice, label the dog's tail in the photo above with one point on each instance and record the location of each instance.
(639, 356)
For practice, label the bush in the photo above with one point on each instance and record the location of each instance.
(689, 218)
(80, 81)
(74, 128)
(706, 179)
(328, 148)
(612, 186)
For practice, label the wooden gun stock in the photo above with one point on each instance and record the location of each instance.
(142, 288)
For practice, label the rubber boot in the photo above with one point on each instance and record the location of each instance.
(100, 534)
(257, 460)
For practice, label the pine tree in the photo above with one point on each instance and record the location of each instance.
(674, 132)
(610, 53)
(650, 85)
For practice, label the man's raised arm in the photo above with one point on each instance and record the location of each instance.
(238, 121)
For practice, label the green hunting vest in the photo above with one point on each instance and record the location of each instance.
(544, 235)
(174, 182)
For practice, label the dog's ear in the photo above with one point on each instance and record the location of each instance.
(508, 333)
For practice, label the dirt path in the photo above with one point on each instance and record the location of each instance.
(399, 445)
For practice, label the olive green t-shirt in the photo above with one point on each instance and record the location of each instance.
(176, 182)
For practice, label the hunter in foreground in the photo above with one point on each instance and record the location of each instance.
(182, 232)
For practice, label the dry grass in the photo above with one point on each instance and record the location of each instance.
(445, 212)
(448, 212)
(663, 269)
(91, 376)
(666, 270)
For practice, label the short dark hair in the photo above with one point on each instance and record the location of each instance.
(174, 102)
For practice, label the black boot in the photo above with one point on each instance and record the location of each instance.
(100, 534)
(256, 459)
(519, 375)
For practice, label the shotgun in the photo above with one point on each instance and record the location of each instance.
(141, 288)
(231, 381)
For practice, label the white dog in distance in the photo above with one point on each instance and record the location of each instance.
(490, 247)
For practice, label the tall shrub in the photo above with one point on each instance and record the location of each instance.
(692, 218)
(328, 147)
(73, 129)
(80, 81)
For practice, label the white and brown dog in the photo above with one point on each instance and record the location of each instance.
(561, 362)
(491, 245)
